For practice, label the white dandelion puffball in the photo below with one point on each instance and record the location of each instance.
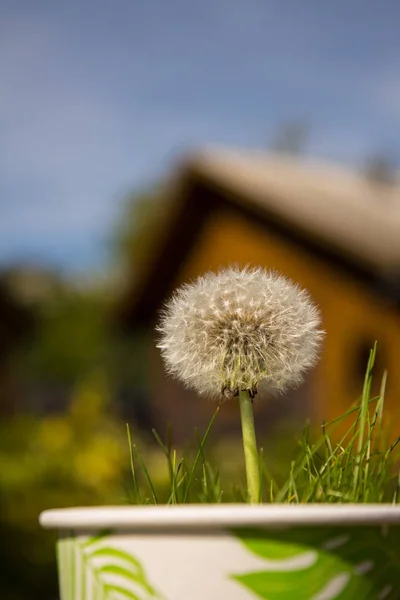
(236, 330)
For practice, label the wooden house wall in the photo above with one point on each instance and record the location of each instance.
(353, 317)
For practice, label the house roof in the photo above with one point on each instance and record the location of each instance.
(344, 207)
(335, 209)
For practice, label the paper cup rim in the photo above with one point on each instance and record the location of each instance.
(218, 516)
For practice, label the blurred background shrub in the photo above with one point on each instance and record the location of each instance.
(78, 457)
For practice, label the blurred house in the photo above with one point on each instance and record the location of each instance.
(333, 231)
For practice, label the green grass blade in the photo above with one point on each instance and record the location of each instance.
(146, 474)
(132, 465)
(199, 454)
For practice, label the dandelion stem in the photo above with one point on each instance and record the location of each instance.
(250, 447)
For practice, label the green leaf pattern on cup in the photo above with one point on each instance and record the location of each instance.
(300, 563)
(319, 563)
(95, 570)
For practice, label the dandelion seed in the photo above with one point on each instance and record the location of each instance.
(237, 330)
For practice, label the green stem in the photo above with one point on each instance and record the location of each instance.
(250, 447)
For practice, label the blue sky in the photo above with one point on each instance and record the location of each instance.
(98, 97)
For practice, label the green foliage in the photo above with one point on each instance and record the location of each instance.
(72, 337)
(79, 458)
(76, 336)
(140, 225)
(83, 451)
(360, 467)
(189, 477)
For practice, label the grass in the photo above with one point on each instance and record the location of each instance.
(361, 467)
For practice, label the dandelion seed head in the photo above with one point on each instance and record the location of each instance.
(235, 330)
